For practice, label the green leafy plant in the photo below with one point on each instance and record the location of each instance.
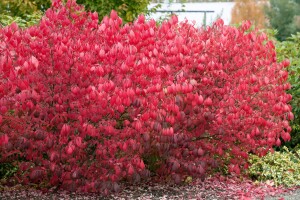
(30, 19)
(20, 8)
(290, 49)
(279, 168)
(7, 170)
(128, 10)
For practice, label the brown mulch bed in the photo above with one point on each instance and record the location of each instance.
(212, 188)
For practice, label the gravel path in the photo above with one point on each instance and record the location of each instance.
(292, 195)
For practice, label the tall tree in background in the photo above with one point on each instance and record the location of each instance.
(249, 10)
(284, 17)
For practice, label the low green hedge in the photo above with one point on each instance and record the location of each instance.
(281, 168)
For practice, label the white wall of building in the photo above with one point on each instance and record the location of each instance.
(221, 9)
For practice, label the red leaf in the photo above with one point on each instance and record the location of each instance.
(208, 102)
(200, 152)
(36, 174)
(113, 15)
(278, 142)
(130, 170)
(142, 165)
(54, 180)
(70, 148)
(35, 62)
(146, 136)
(3, 139)
(78, 141)
(53, 156)
(200, 99)
(117, 170)
(65, 130)
(175, 166)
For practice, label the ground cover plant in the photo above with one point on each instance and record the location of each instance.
(86, 106)
(277, 168)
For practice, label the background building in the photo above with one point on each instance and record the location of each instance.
(201, 12)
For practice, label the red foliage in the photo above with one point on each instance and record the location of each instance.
(91, 101)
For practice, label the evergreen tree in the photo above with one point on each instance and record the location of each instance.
(283, 17)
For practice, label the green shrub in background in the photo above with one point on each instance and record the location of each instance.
(282, 168)
(128, 10)
(290, 49)
(24, 12)
(30, 19)
(22, 8)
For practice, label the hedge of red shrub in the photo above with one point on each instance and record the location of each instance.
(87, 105)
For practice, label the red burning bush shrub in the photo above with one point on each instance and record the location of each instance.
(87, 105)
